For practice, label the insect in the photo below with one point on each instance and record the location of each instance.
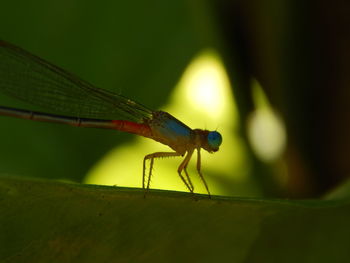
(71, 100)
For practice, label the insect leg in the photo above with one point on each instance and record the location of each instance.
(199, 171)
(151, 157)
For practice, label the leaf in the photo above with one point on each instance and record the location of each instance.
(46, 221)
(340, 193)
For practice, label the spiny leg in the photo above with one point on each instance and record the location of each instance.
(188, 177)
(152, 156)
(199, 171)
(183, 166)
(150, 172)
(144, 172)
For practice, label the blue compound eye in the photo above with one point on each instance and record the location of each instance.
(214, 139)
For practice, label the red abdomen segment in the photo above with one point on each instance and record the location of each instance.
(133, 127)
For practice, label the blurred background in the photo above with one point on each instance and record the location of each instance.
(271, 76)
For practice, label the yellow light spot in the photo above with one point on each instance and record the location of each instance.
(266, 130)
(204, 81)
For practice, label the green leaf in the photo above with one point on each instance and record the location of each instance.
(340, 193)
(46, 221)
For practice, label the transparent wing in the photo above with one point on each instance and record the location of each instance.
(33, 80)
